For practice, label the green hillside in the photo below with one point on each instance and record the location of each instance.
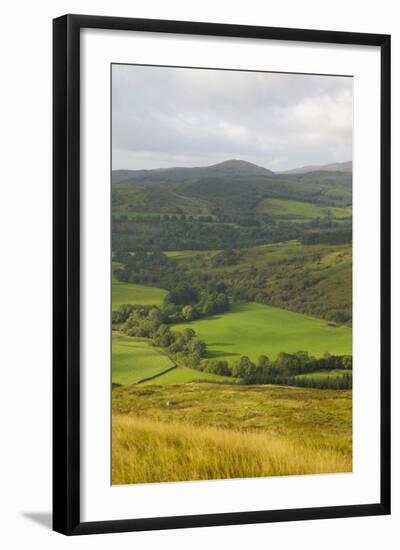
(232, 187)
(311, 279)
(232, 204)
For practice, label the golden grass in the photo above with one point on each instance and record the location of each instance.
(146, 450)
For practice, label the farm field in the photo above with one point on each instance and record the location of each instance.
(133, 360)
(298, 209)
(127, 293)
(209, 431)
(255, 329)
(183, 254)
(315, 258)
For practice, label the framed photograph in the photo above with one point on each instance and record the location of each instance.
(221, 274)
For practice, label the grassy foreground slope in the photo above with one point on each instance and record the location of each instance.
(146, 451)
(254, 329)
(201, 431)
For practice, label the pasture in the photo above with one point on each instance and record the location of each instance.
(255, 329)
(127, 293)
(288, 209)
(183, 254)
(133, 360)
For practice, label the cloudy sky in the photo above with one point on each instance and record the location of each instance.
(164, 117)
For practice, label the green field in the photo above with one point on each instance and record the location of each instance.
(297, 209)
(127, 293)
(133, 360)
(183, 254)
(341, 212)
(254, 329)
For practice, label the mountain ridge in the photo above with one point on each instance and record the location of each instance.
(231, 168)
(346, 166)
(227, 168)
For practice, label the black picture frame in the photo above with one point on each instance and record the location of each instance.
(66, 273)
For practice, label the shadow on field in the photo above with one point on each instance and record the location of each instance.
(217, 353)
(219, 344)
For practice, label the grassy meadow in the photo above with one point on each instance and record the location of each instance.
(255, 329)
(209, 431)
(127, 293)
(134, 360)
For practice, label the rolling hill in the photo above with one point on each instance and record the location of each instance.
(233, 187)
(334, 167)
(227, 168)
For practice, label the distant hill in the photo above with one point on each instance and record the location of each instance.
(230, 188)
(228, 168)
(334, 167)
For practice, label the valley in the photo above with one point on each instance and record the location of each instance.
(231, 316)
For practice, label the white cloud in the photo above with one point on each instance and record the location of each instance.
(175, 116)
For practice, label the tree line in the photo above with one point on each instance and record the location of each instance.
(183, 232)
(285, 369)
